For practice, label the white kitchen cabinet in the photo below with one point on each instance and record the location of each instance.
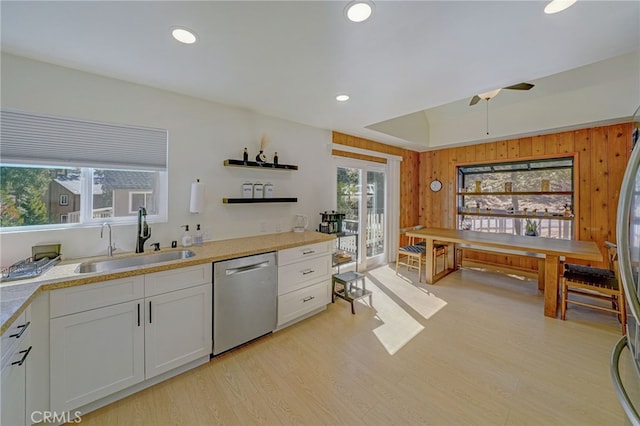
(296, 254)
(16, 348)
(177, 329)
(109, 336)
(178, 321)
(297, 303)
(304, 279)
(96, 353)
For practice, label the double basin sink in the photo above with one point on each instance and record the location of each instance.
(131, 262)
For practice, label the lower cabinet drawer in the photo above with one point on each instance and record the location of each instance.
(298, 275)
(297, 303)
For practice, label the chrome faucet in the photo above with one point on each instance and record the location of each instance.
(144, 232)
(110, 248)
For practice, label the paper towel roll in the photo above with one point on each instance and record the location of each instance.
(197, 197)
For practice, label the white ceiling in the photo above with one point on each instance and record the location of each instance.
(290, 59)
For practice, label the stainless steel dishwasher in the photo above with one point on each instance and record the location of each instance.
(245, 292)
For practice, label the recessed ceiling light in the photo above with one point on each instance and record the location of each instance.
(359, 11)
(556, 6)
(342, 98)
(184, 35)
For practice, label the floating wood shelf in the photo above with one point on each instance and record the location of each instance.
(256, 165)
(258, 200)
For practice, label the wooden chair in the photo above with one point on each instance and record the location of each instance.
(598, 283)
(440, 250)
(411, 256)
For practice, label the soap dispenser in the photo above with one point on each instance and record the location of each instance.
(198, 237)
(186, 237)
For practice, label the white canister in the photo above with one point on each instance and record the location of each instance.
(268, 190)
(247, 190)
(258, 190)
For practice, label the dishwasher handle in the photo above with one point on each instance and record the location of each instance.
(241, 269)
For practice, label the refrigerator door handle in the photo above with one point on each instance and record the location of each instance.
(622, 232)
(625, 401)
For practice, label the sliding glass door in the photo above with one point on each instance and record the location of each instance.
(361, 196)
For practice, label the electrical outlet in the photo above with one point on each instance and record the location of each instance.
(278, 227)
(263, 226)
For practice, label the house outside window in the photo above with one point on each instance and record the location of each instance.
(140, 199)
(86, 179)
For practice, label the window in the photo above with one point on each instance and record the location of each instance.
(58, 171)
(140, 199)
(516, 197)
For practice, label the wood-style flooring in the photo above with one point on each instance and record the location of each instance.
(474, 349)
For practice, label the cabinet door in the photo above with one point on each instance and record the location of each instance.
(16, 349)
(96, 353)
(13, 394)
(178, 328)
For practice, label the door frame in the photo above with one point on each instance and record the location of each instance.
(366, 166)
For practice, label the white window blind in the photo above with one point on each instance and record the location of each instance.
(27, 138)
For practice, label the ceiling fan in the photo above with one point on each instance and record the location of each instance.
(493, 93)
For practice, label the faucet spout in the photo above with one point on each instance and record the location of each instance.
(110, 247)
(144, 231)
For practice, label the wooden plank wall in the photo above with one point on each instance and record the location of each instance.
(601, 152)
(409, 173)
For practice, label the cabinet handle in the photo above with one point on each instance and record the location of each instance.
(150, 321)
(306, 299)
(138, 315)
(22, 328)
(26, 354)
(308, 252)
(308, 271)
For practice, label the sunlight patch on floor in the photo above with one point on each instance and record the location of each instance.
(398, 326)
(419, 299)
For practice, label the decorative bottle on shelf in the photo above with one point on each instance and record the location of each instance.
(245, 156)
(275, 158)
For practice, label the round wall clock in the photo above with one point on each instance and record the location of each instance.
(435, 185)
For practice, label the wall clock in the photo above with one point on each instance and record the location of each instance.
(435, 185)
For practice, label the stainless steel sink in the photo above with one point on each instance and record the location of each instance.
(131, 262)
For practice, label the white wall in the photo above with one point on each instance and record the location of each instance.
(607, 91)
(201, 135)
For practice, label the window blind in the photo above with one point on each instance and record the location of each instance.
(27, 138)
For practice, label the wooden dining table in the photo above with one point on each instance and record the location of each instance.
(549, 251)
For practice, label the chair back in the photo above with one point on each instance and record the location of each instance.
(612, 255)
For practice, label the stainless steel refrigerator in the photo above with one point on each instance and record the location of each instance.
(625, 359)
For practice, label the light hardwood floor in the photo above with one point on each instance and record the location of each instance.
(474, 349)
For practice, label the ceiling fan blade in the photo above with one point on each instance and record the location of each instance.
(521, 86)
(474, 100)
